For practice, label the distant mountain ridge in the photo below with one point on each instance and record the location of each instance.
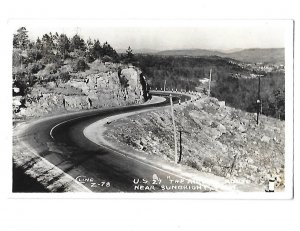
(256, 55)
(253, 55)
(191, 52)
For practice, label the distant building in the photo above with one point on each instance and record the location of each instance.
(203, 81)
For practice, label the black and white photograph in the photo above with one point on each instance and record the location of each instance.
(193, 108)
(149, 115)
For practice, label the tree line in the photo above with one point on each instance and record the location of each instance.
(52, 50)
(184, 73)
(242, 93)
(53, 46)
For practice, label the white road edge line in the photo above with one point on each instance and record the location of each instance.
(66, 121)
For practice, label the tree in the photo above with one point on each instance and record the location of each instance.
(97, 51)
(129, 55)
(38, 44)
(20, 40)
(63, 45)
(89, 50)
(47, 44)
(279, 103)
(77, 43)
(48, 48)
(109, 51)
(89, 45)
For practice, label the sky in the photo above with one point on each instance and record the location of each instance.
(213, 35)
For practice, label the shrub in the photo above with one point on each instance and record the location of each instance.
(65, 77)
(24, 82)
(81, 65)
(106, 58)
(193, 164)
(49, 69)
(34, 67)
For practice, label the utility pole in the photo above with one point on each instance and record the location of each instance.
(180, 143)
(165, 85)
(209, 82)
(258, 100)
(174, 128)
(180, 146)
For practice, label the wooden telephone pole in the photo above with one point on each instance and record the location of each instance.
(258, 100)
(180, 143)
(209, 82)
(174, 128)
(180, 149)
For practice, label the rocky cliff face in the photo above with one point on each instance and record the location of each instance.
(112, 87)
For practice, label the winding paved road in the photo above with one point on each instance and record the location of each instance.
(60, 140)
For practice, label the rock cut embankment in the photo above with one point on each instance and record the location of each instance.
(115, 85)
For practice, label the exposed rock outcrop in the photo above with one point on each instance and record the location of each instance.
(113, 87)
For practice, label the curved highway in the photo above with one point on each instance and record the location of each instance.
(60, 140)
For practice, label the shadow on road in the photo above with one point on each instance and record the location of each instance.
(23, 183)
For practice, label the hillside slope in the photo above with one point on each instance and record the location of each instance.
(215, 139)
